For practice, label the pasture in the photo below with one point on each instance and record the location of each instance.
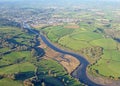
(55, 74)
(85, 37)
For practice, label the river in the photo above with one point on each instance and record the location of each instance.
(80, 71)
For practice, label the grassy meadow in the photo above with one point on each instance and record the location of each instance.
(54, 74)
(16, 58)
(9, 82)
(84, 37)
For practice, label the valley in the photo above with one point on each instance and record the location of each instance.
(53, 44)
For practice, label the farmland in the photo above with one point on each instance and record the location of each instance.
(59, 43)
(81, 39)
(7, 82)
(19, 60)
(55, 72)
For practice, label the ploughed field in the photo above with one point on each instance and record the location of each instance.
(95, 44)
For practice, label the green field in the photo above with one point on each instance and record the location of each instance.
(4, 63)
(4, 49)
(16, 36)
(9, 82)
(73, 44)
(54, 74)
(10, 30)
(24, 39)
(108, 68)
(21, 67)
(13, 58)
(106, 43)
(54, 33)
(111, 55)
(84, 38)
(109, 64)
(89, 28)
(16, 58)
(12, 37)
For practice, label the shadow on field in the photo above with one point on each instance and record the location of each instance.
(24, 75)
